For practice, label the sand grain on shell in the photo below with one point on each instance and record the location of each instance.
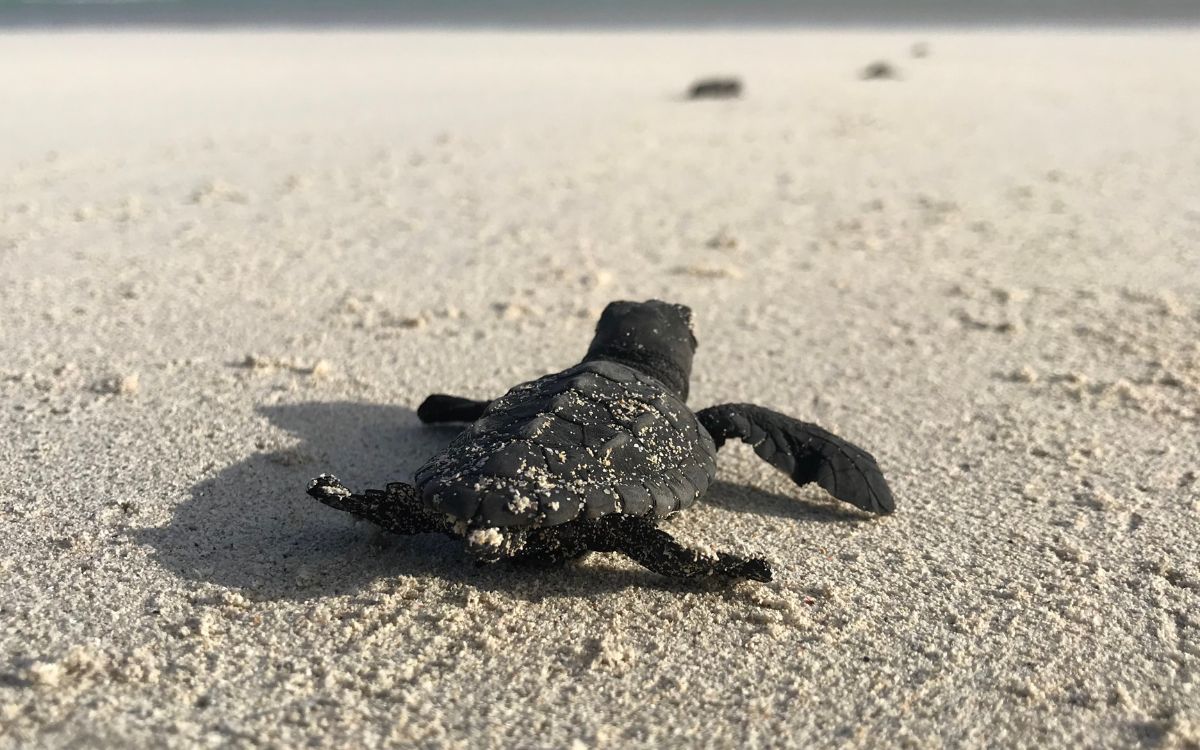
(983, 273)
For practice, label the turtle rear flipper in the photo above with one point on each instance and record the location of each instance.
(398, 508)
(805, 452)
(641, 540)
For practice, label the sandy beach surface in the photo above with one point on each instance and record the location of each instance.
(232, 261)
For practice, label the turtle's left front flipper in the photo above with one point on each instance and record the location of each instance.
(804, 452)
(442, 408)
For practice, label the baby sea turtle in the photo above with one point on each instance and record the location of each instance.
(715, 88)
(880, 70)
(592, 458)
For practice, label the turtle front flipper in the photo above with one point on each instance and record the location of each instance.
(803, 451)
(442, 408)
(397, 509)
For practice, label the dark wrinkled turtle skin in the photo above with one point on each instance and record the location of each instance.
(590, 459)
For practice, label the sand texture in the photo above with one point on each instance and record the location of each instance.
(233, 261)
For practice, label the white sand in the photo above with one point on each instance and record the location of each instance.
(233, 261)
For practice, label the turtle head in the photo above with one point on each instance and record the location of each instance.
(652, 337)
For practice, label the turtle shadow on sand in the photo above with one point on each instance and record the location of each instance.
(744, 498)
(252, 528)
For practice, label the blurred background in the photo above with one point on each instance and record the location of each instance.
(546, 13)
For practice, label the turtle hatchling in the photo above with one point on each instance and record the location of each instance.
(593, 458)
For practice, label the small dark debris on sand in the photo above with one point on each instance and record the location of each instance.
(919, 50)
(880, 71)
(716, 88)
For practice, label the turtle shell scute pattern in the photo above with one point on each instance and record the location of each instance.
(596, 439)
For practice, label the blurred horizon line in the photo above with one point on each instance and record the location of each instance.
(583, 15)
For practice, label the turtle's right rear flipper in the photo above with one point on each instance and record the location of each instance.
(442, 408)
(641, 540)
(805, 452)
(398, 508)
